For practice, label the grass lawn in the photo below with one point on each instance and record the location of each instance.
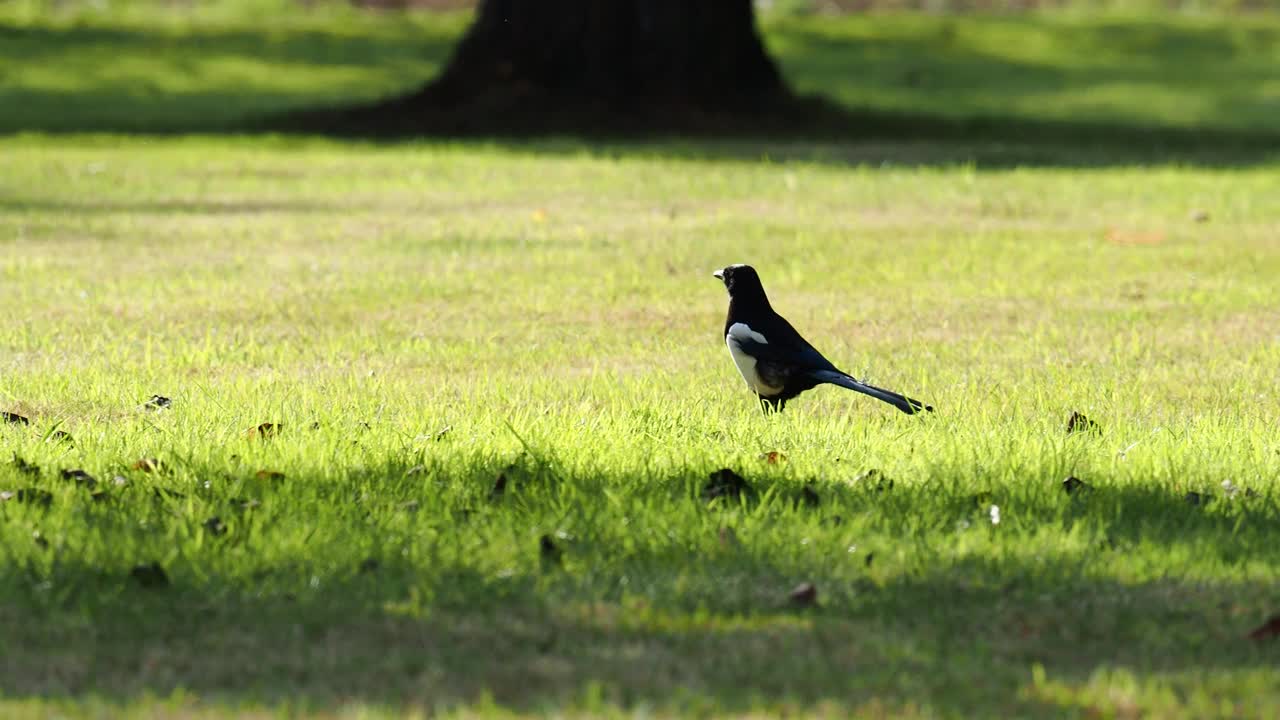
(498, 387)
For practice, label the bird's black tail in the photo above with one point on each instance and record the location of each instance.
(902, 402)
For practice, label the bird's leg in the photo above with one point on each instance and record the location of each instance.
(768, 405)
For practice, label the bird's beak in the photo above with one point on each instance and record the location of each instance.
(719, 274)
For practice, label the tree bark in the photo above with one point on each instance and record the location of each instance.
(547, 65)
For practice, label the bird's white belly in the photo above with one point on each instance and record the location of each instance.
(745, 363)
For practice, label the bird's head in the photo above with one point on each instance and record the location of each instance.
(741, 281)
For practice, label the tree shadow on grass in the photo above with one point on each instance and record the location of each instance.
(181, 89)
(676, 623)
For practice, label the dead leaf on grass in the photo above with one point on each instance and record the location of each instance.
(148, 465)
(214, 526)
(1267, 630)
(773, 457)
(725, 483)
(1079, 422)
(80, 477)
(269, 475)
(1073, 484)
(157, 402)
(264, 431)
(244, 504)
(803, 595)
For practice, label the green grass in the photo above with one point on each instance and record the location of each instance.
(422, 318)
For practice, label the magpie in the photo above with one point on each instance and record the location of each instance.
(775, 361)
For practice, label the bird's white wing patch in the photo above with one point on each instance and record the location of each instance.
(739, 333)
(742, 331)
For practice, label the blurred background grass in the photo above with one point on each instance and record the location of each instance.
(144, 66)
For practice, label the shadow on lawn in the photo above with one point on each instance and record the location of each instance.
(174, 98)
(628, 626)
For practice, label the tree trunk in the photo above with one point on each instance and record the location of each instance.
(598, 65)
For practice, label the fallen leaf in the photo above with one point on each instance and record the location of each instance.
(1072, 483)
(265, 431)
(80, 477)
(157, 402)
(244, 504)
(803, 595)
(148, 465)
(1267, 630)
(214, 526)
(1079, 422)
(15, 418)
(725, 483)
(269, 475)
(149, 575)
(773, 457)
(1194, 498)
